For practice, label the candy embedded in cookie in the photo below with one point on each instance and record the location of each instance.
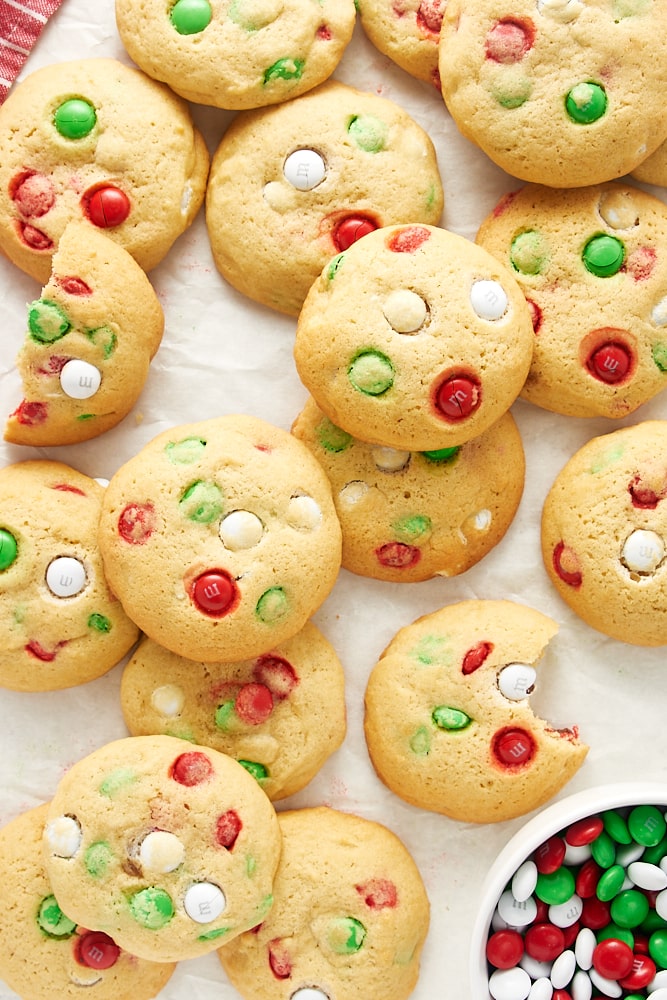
(281, 714)
(408, 31)
(91, 337)
(168, 848)
(60, 624)
(292, 186)
(466, 743)
(444, 348)
(240, 53)
(592, 266)
(542, 88)
(349, 919)
(408, 516)
(96, 141)
(604, 534)
(49, 953)
(221, 538)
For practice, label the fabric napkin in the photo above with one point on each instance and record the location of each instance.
(21, 24)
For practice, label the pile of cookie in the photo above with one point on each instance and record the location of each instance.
(405, 464)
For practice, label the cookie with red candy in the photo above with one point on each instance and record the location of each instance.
(448, 723)
(408, 32)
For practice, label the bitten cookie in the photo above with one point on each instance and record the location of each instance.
(221, 538)
(408, 516)
(237, 53)
(604, 533)
(557, 92)
(45, 954)
(169, 849)
(60, 624)
(91, 337)
(94, 140)
(280, 715)
(292, 186)
(408, 32)
(349, 919)
(443, 350)
(592, 265)
(448, 721)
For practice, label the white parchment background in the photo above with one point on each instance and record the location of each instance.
(224, 354)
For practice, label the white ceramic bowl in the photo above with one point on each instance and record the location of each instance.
(545, 824)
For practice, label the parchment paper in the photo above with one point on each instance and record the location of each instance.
(223, 354)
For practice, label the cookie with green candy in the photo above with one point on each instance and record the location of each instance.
(43, 951)
(60, 623)
(349, 919)
(168, 848)
(91, 336)
(237, 54)
(557, 92)
(294, 185)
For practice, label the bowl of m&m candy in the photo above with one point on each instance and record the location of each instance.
(575, 905)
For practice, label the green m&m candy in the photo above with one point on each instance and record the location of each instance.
(189, 17)
(75, 118)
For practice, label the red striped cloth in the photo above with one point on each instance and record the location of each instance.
(21, 24)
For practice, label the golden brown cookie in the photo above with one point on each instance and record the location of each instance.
(281, 714)
(443, 350)
(221, 538)
(292, 186)
(408, 31)
(60, 623)
(448, 722)
(237, 53)
(97, 141)
(45, 954)
(604, 533)
(91, 337)
(349, 919)
(592, 266)
(408, 516)
(168, 848)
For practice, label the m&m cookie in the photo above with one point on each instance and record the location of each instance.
(604, 533)
(221, 538)
(349, 919)
(408, 32)
(292, 186)
(91, 336)
(168, 848)
(281, 714)
(411, 515)
(60, 623)
(592, 264)
(443, 350)
(97, 141)
(448, 724)
(43, 953)
(237, 53)
(557, 92)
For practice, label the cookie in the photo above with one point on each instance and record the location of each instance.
(444, 348)
(97, 141)
(448, 723)
(592, 266)
(237, 54)
(408, 32)
(292, 186)
(349, 919)
(281, 714)
(557, 92)
(221, 538)
(60, 624)
(91, 337)
(604, 532)
(409, 516)
(169, 849)
(653, 170)
(42, 952)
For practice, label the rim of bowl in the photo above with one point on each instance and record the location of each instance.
(549, 821)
